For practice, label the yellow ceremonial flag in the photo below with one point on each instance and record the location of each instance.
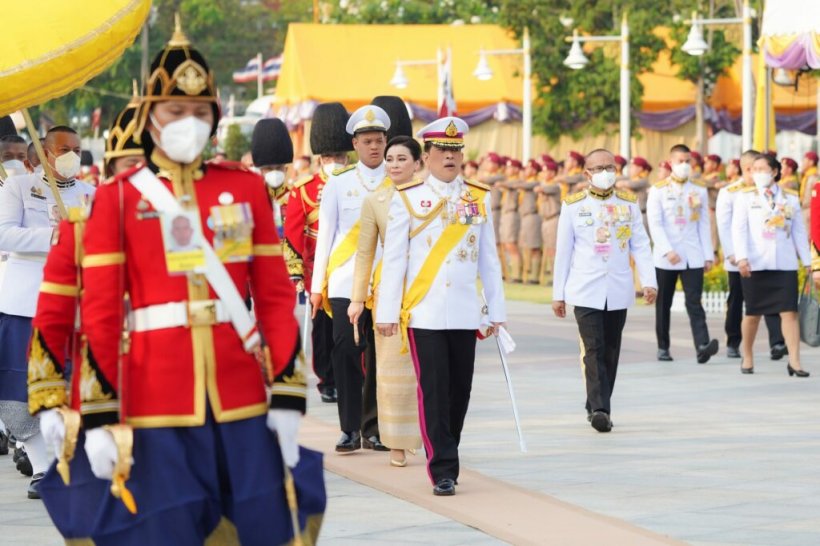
(761, 141)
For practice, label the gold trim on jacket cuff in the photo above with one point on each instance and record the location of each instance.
(59, 289)
(267, 250)
(99, 260)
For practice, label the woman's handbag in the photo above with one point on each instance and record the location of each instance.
(809, 314)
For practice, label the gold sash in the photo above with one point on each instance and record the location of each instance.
(338, 258)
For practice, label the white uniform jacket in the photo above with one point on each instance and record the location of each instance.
(339, 210)
(771, 236)
(452, 302)
(678, 219)
(596, 236)
(28, 216)
(726, 199)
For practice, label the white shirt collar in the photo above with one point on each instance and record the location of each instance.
(367, 172)
(445, 188)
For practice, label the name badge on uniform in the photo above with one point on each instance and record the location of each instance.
(232, 225)
(182, 237)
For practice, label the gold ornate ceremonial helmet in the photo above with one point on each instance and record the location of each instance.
(121, 140)
(179, 72)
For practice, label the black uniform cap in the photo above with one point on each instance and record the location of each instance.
(271, 143)
(400, 123)
(327, 130)
(7, 126)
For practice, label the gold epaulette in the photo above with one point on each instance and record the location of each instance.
(662, 183)
(575, 197)
(626, 196)
(750, 189)
(477, 184)
(411, 184)
(732, 188)
(337, 172)
(791, 191)
(302, 181)
(698, 182)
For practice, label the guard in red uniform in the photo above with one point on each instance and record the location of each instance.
(187, 242)
(331, 142)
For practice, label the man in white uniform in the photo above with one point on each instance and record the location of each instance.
(332, 281)
(27, 231)
(439, 240)
(598, 230)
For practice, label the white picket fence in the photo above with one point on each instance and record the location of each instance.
(713, 302)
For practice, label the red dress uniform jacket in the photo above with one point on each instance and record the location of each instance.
(54, 339)
(172, 374)
(302, 226)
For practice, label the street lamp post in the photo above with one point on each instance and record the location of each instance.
(696, 45)
(484, 72)
(577, 60)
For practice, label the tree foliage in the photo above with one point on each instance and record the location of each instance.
(236, 143)
(412, 11)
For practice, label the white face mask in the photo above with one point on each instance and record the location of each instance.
(328, 168)
(603, 180)
(67, 165)
(14, 166)
(682, 170)
(762, 180)
(183, 140)
(274, 179)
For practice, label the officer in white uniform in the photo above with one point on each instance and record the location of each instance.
(678, 215)
(332, 282)
(726, 199)
(598, 230)
(28, 220)
(439, 240)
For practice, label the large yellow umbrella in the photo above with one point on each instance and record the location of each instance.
(51, 47)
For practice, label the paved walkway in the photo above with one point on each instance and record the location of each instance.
(699, 454)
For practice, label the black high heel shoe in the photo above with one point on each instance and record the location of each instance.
(746, 370)
(798, 373)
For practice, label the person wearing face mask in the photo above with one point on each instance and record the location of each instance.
(769, 237)
(28, 230)
(12, 155)
(332, 281)
(439, 240)
(330, 141)
(271, 152)
(190, 408)
(724, 211)
(599, 229)
(678, 222)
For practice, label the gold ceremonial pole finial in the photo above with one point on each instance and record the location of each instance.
(178, 38)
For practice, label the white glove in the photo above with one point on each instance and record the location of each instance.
(52, 427)
(285, 423)
(101, 451)
(506, 340)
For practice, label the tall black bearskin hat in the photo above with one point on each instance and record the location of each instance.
(271, 143)
(86, 159)
(400, 123)
(120, 141)
(178, 72)
(327, 130)
(7, 126)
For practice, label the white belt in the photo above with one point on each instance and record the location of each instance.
(38, 257)
(178, 313)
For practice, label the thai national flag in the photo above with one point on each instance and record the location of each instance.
(249, 73)
(272, 68)
(447, 100)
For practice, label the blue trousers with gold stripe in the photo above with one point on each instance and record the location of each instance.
(214, 484)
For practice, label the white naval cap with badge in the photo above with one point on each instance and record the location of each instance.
(366, 119)
(447, 133)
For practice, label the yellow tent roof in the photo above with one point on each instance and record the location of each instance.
(354, 63)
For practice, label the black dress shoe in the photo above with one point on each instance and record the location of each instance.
(664, 356)
(4, 443)
(34, 486)
(374, 443)
(445, 487)
(778, 351)
(798, 373)
(350, 441)
(705, 352)
(600, 421)
(329, 395)
(23, 464)
(747, 371)
(732, 352)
